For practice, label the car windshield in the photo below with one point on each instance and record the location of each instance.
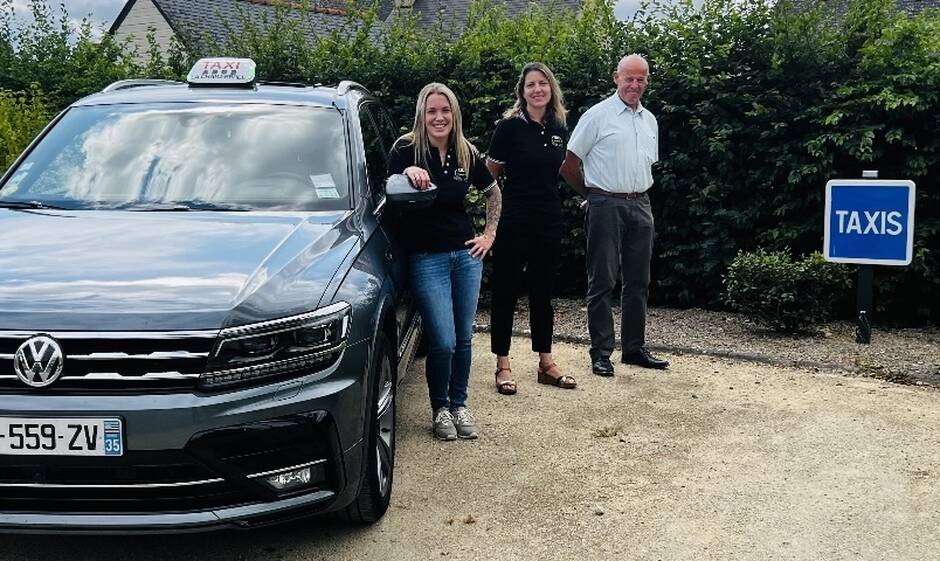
(186, 156)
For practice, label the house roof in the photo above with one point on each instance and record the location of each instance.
(840, 7)
(186, 17)
(207, 16)
(455, 12)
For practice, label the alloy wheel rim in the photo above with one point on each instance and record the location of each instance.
(385, 413)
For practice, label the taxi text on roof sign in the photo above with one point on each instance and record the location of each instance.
(222, 71)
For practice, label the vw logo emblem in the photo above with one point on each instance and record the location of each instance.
(38, 361)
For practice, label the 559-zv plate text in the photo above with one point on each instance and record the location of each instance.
(25, 436)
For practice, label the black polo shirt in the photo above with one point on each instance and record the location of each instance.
(444, 225)
(531, 154)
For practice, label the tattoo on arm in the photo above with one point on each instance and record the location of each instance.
(496, 170)
(494, 207)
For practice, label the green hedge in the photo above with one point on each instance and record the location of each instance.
(777, 292)
(22, 116)
(64, 63)
(758, 106)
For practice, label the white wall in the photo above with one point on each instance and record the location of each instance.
(144, 15)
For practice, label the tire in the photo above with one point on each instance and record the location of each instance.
(375, 489)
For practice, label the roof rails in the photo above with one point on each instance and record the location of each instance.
(138, 83)
(347, 85)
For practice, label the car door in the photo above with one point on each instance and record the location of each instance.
(378, 135)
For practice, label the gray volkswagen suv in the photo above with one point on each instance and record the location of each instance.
(202, 318)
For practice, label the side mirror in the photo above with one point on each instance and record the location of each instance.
(398, 191)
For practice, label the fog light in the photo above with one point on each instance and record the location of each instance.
(289, 480)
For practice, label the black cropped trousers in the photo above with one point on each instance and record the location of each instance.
(525, 258)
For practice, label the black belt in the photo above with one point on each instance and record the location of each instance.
(628, 196)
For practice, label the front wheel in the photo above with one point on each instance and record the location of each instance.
(375, 490)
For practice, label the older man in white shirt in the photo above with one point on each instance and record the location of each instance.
(609, 162)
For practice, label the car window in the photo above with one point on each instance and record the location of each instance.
(376, 152)
(240, 156)
(387, 130)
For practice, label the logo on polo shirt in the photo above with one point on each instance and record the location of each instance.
(557, 141)
(460, 174)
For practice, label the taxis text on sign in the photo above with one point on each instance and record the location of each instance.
(869, 221)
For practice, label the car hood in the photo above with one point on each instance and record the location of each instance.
(121, 270)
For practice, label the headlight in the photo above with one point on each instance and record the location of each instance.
(256, 352)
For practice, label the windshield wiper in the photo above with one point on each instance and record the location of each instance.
(30, 205)
(209, 206)
(182, 206)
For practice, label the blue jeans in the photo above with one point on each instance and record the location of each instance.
(446, 288)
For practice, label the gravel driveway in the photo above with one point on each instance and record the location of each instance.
(714, 459)
(910, 356)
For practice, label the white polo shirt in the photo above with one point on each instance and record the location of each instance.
(617, 145)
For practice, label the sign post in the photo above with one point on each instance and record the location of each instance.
(866, 286)
(869, 222)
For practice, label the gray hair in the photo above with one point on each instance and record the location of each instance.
(634, 57)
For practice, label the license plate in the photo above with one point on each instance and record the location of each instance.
(27, 436)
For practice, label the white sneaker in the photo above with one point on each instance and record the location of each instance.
(444, 428)
(466, 423)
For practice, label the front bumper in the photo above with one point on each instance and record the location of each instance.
(194, 462)
(240, 517)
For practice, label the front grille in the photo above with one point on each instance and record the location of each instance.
(115, 361)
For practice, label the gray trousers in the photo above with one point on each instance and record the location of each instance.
(619, 247)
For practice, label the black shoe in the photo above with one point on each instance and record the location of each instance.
(602, 366)
(642, 357)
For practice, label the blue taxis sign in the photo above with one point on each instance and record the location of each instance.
(869, 221)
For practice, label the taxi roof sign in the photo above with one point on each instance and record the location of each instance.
(222, 72)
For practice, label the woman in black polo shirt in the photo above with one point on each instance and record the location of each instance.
(525, 154)
(445, 255)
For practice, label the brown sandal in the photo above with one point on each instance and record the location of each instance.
(506, 387)
(563, 381)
